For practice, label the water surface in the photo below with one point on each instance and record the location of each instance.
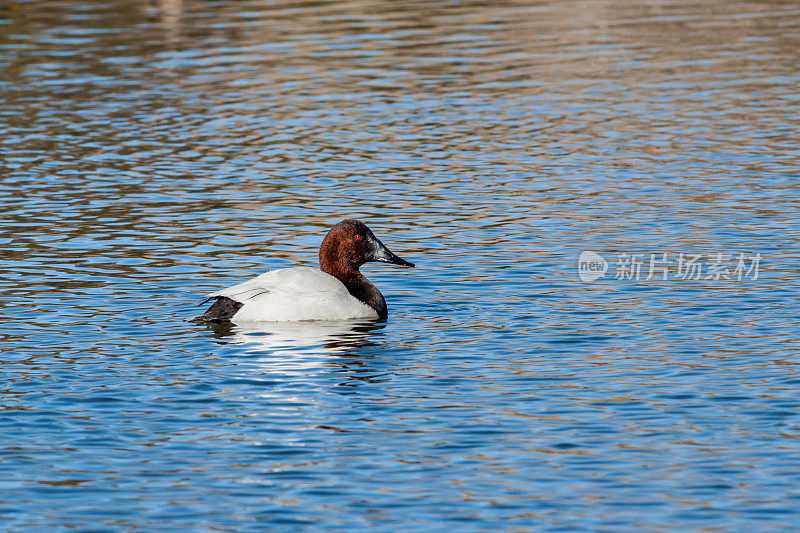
(151, 152)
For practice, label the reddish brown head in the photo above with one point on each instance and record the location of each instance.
(350, 244)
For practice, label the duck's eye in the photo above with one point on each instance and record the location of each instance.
(358, 237)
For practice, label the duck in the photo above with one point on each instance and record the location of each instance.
(337, 291)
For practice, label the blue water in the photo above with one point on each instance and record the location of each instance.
(152, 152)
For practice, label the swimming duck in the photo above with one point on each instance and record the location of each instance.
(336, 291)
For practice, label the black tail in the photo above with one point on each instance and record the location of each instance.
(221, 310)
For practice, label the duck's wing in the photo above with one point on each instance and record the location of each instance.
(275, 286)
(247, 289)
(297, 281)
(288, 294)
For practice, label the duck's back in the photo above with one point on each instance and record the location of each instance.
(299, 293)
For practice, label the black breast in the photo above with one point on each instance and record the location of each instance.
(368, 293)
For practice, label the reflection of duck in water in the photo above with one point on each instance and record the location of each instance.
(321, 336)
(335, 292)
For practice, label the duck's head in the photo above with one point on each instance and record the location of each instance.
(348, 245)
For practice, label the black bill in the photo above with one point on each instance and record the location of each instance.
(382, 254)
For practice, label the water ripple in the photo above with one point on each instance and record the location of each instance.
(153, 152)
